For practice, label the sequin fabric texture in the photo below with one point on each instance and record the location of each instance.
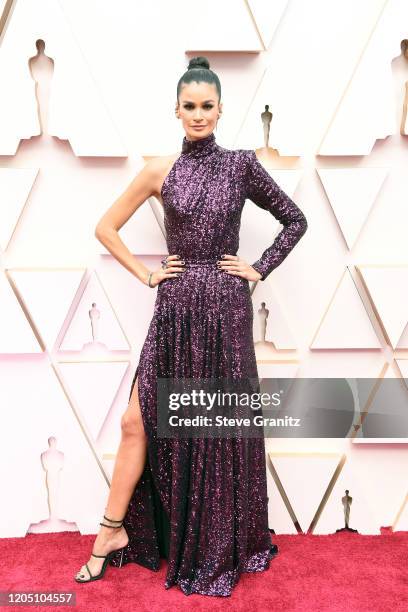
(203, 503)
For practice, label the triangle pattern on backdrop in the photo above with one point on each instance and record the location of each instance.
(345, 324)
(302, 493)
(361, 516)
(15, 187)
(94, 326)
(77, 112)
(401, 520)
(267, 16)
(16, 334)
(93, 386)
(352, 193)
(387, 287)
(48, 295)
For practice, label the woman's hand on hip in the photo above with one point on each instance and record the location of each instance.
(235, 266)
(172, 266)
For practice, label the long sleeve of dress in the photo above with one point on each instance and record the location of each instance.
(262, 189)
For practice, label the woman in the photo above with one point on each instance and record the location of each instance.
(199, 502)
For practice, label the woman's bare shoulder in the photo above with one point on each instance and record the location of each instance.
(159, 167)
(160, 163)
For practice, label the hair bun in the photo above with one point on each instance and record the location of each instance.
(198, 62)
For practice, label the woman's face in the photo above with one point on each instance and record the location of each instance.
(198, 109)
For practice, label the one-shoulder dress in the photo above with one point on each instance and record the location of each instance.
(202, 503)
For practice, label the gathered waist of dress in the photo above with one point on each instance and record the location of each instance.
(201, 262)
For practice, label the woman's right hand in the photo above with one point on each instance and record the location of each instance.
(174, 267)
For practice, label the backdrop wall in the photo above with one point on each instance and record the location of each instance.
(79, 117)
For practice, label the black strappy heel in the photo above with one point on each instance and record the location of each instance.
(106, 557)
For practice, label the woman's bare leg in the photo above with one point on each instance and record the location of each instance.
(129, 466)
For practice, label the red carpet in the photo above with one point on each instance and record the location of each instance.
(343, 572)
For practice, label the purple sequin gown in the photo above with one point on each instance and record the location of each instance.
(202, 503)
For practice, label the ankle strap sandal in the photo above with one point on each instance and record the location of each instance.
(112, 521)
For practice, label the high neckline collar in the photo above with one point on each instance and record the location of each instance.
(200, 147)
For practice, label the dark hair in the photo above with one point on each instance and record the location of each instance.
(199, 70)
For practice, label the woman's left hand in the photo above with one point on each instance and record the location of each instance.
(235, 266)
